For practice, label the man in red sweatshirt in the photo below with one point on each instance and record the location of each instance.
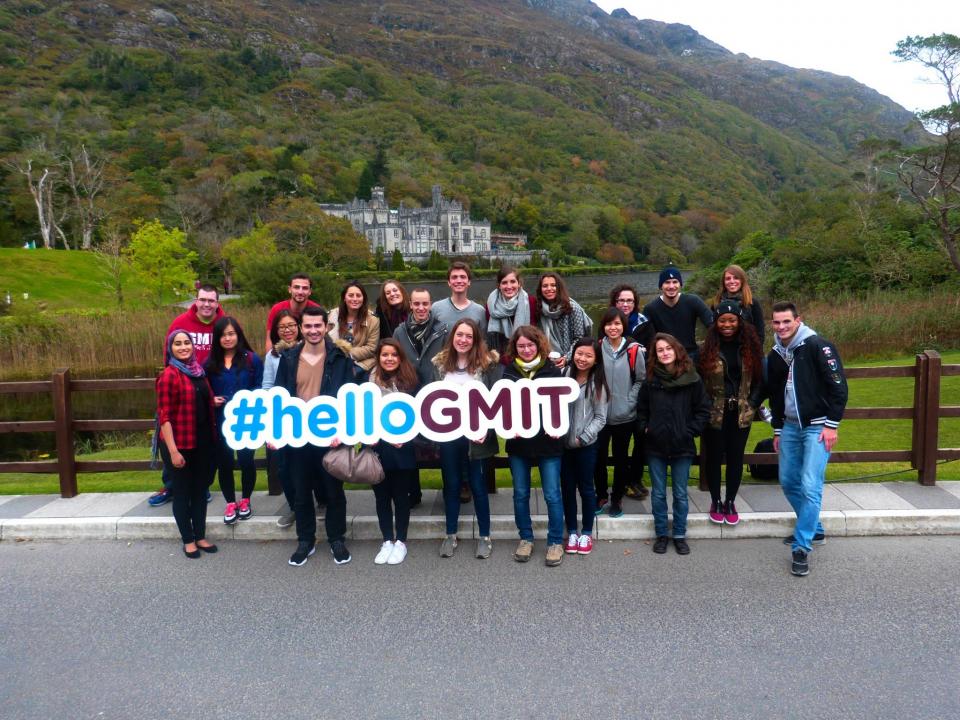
(198, 322)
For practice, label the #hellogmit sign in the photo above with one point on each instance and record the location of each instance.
(440, 411)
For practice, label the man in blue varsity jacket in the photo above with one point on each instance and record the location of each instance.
(808, 393)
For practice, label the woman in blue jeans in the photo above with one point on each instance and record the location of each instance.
(588, 415)
(530, 349)
(672, 409)
(465, 358)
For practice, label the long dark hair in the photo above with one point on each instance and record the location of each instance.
(750, 351)
(681, 364)
(215, 361)
(404, 377)
(342, 308)
(597, 376)
(387, 310)
(563, 295)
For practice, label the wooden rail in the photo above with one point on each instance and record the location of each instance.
(922, 455)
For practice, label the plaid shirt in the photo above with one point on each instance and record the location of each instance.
(176, 404)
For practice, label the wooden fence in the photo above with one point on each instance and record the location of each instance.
(922, 456)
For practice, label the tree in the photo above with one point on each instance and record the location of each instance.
(84, 178)
(396, 262)
(931, 173)
(42, 188)
(681, 205)
(160, 261)
(660, 206)
(110, 251)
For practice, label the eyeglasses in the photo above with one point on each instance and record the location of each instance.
(286, 327)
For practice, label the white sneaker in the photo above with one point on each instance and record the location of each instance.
(386, 550)
(398, 554)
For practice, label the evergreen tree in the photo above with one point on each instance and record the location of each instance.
(660, 206)
(396, 263)
(681, 204)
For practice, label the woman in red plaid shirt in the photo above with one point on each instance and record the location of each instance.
(185, 412)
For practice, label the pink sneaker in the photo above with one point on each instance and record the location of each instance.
(230, 514)
(730, 514)
(571, 546)
(244, 510)
(584, 545)
(716, 513)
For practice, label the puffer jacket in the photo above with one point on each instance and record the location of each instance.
(671, 413)
(588, 415)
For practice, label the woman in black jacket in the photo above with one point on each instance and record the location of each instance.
(672, 409)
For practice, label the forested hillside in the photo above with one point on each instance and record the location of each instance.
(596, 134)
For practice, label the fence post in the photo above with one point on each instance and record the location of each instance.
(931, 418)
(919, 413)
(63, 415)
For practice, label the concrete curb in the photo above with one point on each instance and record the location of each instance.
(837, 523)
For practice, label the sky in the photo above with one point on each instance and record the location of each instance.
(845, 37)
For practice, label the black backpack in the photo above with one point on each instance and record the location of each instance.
(764, 472)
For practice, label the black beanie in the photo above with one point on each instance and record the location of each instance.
(670, 273)
(728, 307)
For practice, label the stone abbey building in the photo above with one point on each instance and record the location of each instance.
(444, 226)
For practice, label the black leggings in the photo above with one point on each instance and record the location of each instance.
(395, 488)
(190, 485)
(620, 435)
(248, 472)
(727, 442)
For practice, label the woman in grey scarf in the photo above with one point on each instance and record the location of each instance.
(508, 307)
(562, 319)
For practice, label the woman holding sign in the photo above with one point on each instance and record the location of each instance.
(530, 349)
(394, 373)
(465, 357)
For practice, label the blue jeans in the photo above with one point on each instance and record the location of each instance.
(679, 473)
(550, 482)
(576, 473)
(803, 462)
(455, 466)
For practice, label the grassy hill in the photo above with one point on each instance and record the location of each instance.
(547, 116)
(54, 280)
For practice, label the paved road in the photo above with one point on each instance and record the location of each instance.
(111, 630)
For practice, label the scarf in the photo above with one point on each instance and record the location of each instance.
(668, 380)
(418, 331)
(506, 315)
(529, 369)
(191, 367)
(564, 329)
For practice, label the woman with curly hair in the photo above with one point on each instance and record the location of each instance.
(731, 365)
(353, 327)
(735, 286)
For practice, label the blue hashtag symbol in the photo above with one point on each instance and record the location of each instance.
(248, 419)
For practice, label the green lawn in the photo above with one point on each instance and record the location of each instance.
(854, 435)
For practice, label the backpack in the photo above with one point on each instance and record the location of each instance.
(632, 359)
(764, 472)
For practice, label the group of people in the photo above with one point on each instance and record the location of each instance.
(643, 379)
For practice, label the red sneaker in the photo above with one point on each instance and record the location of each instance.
(244, 510)
(571, 546)
(730, 514)
(230, 514)
(584, 545)
(716, 513)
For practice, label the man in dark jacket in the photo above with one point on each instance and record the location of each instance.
(676, 312)
(315, 367)
(808, 394)
(421, 335)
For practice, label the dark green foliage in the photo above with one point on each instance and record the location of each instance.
(660, 205)
(396, 262)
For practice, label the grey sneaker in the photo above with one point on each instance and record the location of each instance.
(448, 545)
(287, 519)
(484, 548)
(554, 555)
(524, 551)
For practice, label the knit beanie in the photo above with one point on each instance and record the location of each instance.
(728, 307)
(670, 273)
